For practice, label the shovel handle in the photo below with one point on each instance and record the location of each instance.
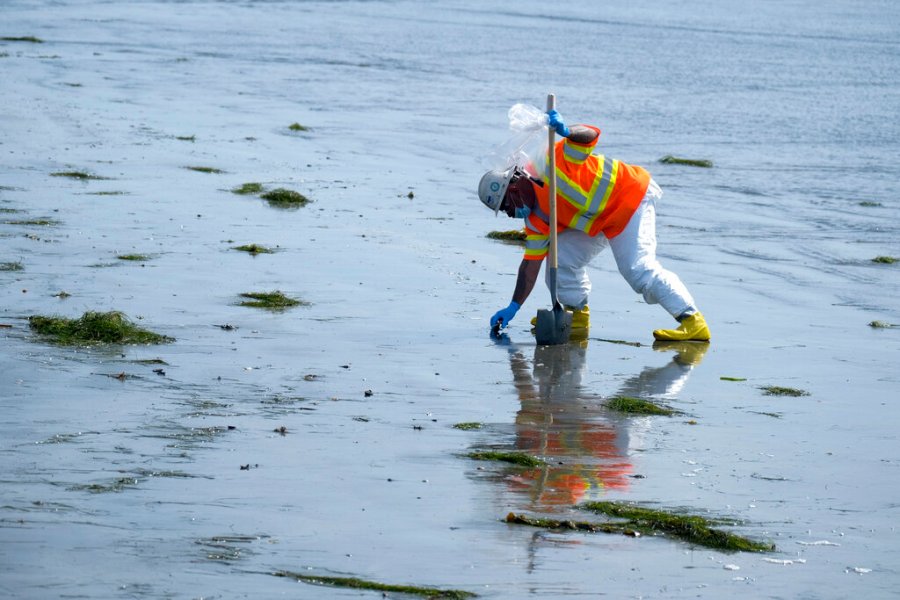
(553, 264)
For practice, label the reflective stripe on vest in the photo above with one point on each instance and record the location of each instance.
(536, 242)
(576, 153)
(590, 203)
(536, 245)
(540, 214)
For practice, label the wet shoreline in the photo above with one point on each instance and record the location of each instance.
(320, 438)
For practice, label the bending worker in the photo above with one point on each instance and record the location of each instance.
(600, 201)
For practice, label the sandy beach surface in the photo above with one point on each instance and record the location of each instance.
(321, 439)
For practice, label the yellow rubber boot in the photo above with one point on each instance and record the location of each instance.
(581, 317)
(691, 328)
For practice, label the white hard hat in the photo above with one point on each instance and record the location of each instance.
(492, 187)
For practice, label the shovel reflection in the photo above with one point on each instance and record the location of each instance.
(586, 449)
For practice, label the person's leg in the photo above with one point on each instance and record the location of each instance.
(635, 252)
(576, 250)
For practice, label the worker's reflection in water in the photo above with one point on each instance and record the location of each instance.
(585, 446)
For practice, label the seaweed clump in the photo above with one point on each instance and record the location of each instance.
(691, 162)
(516, 458)
(298, 127)
(248, 188)
(637, 406)
(283, 198)
(513, 235)
(211, 170)
(468, 426)
(545, 523)
(271, 300)
(95, 328)
(26, 38)
(690, 528)
(362, 584)
(777, 390)
(11, 266)
(83, 175)
(885, 260)
(134, 257)
(254, 249)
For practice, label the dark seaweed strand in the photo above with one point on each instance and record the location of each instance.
(361, 584)
(689, 528)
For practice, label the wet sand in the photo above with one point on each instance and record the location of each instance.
(135, 479)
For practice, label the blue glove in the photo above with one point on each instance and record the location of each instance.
(557, 123)
(502, 317)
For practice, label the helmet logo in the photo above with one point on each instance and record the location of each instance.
(495, 186)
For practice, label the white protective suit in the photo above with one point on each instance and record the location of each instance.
(635, 252)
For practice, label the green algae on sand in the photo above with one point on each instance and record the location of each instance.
(284, 198)
(35, 222)
(298, 127)
(515, 458)
(386, 588)
(95, 328)
(248, 188)
(778, 390)
(27, 38)
(885, 260)
(514, 235)
(590, 526)
(468, 426)
(637, 406)
(691, 162)
(254, 249)
(134, 257)
(82, 175)
(271, 300)
(689, 528)
(211, 170)
(622, 342)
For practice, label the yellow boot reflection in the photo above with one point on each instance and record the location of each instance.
(689, 354)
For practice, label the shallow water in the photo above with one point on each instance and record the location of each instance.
(178, 484)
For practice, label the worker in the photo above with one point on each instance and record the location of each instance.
(600, 201)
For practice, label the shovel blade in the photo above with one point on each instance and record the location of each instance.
(552, 326)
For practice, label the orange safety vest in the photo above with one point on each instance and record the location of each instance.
(594, 194)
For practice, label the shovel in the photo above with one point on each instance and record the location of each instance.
(553, 326)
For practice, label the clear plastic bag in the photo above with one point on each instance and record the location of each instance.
(524, 117)
(527, 147)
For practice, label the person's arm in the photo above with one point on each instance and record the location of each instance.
(528, 274)
(580, 134)
(583, 135)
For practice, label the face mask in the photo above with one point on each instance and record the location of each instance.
(522, 212)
